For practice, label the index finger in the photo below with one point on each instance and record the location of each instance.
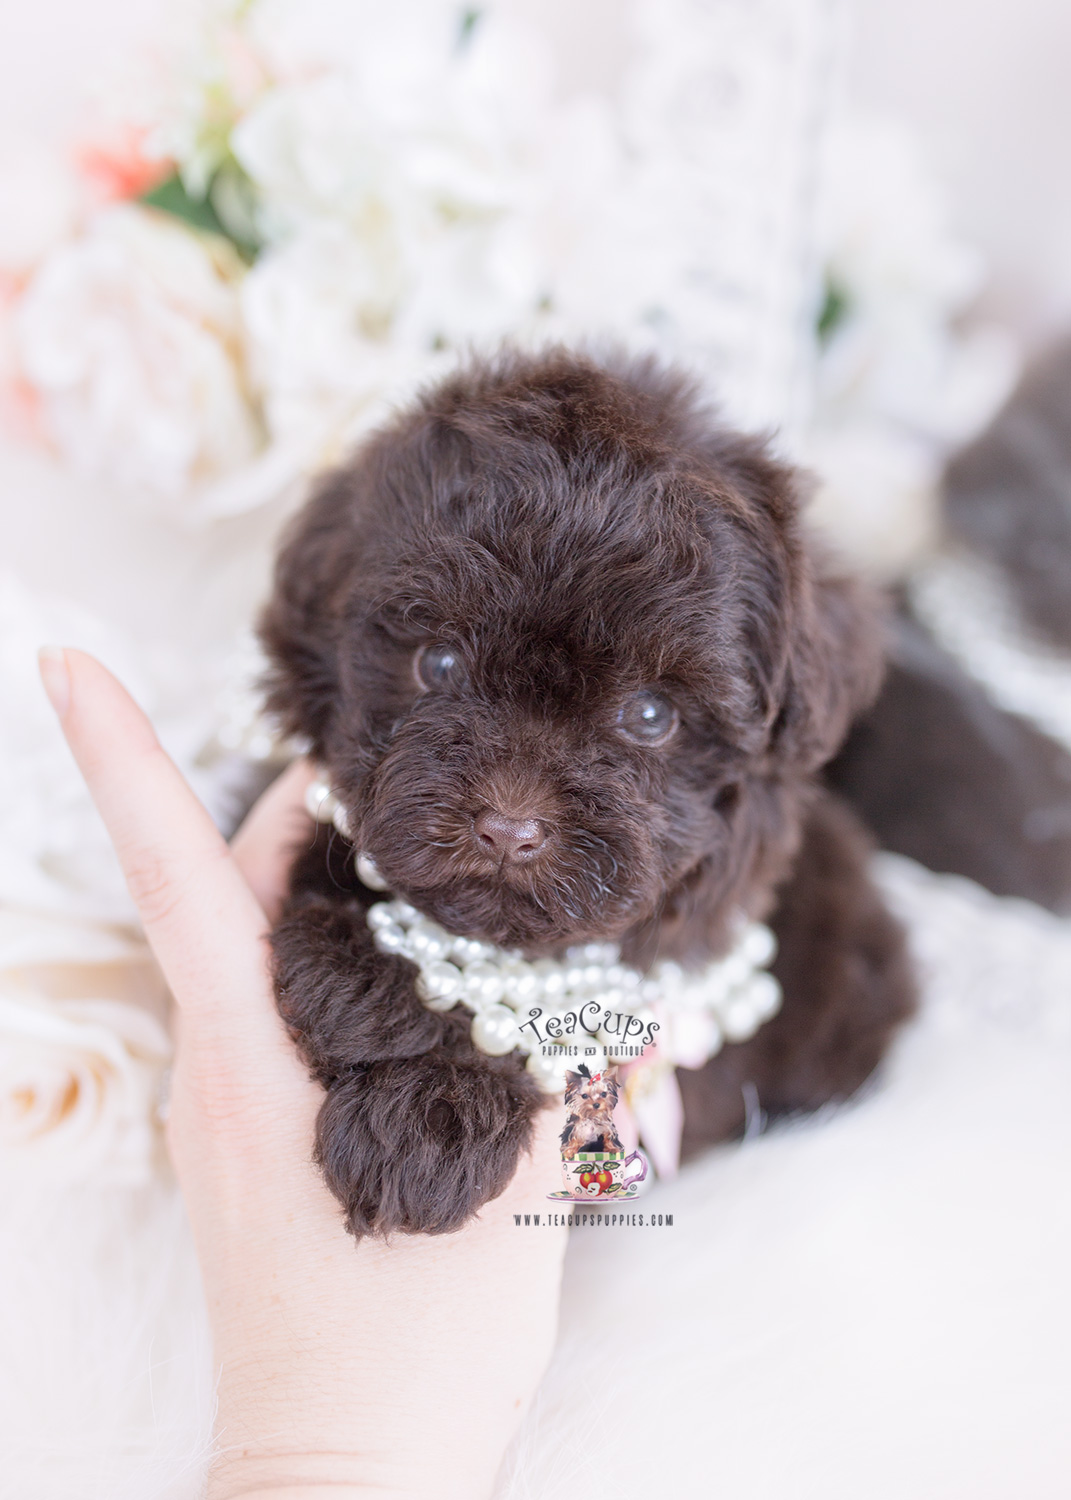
(200, 917)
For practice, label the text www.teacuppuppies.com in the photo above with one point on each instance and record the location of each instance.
(591, 1221)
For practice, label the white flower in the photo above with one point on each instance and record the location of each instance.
(877, 497)
(898, 382)
(316, 313)
(902, 277)
(130, 336)
(79, 1081)
(312, 151)
(81, 1066)
(412, 163)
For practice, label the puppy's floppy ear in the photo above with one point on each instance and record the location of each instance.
(815, 637)
(300, 627)
(834, 666)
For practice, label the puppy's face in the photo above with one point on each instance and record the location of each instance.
(591, 1098)
(555, 644)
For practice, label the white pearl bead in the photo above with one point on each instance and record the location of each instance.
(574, 979)
(551, 976)
(483, 984)
(381, 915)
(467, 950)
(522, 985)
(390, 939)
(712, 987)
(495, 1032)
(429, 941)
(759, 945)
(548, 1072)
(735, 969)
(439, 985)
(765, 993)
(739, 1020)
(691, 1038)
(367, 869)
(320, 801)
(405, 913)
(341, 821)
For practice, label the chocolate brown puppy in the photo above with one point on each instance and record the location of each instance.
(572, 667)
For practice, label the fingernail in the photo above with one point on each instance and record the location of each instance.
(52, 664)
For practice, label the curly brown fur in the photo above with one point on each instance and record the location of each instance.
(847, 984)
(576, 535)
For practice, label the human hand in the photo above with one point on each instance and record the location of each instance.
(370, 1368)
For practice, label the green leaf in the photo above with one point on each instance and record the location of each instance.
(171, 197)
(470, 19)
(835, 309)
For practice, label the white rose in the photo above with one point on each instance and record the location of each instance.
(79, 1086)
(82, 1053)
(316, 313)
(312, 151)
(130, 336)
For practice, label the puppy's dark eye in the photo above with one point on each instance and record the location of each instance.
(435, 666)
(648, 718)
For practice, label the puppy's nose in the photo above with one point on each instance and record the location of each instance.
(514, 840)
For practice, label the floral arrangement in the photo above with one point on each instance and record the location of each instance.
(320, 205)
(324, 202)
(310, 216)
(902, 374)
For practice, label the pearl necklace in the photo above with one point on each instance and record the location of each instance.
(586, 1006)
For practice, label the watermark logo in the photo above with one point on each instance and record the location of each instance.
(594, 1162)
(589, 1029)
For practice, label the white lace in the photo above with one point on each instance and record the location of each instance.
(965, 606)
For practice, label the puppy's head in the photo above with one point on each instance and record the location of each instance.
(558, 640)
(592, 1098)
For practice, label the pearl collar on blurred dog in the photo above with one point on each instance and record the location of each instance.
(561, 1012)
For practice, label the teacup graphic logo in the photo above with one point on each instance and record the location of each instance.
(594, 1162)
(601, 1174)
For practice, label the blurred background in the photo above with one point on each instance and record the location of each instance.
(981, 83)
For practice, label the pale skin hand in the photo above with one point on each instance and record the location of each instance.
(346, 1369)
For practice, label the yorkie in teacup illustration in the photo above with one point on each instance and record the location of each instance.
(590, 1100)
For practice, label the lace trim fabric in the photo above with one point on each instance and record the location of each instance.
(984, 961)
(967, 609)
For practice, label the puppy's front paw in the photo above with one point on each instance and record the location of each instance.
(420, 1144)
